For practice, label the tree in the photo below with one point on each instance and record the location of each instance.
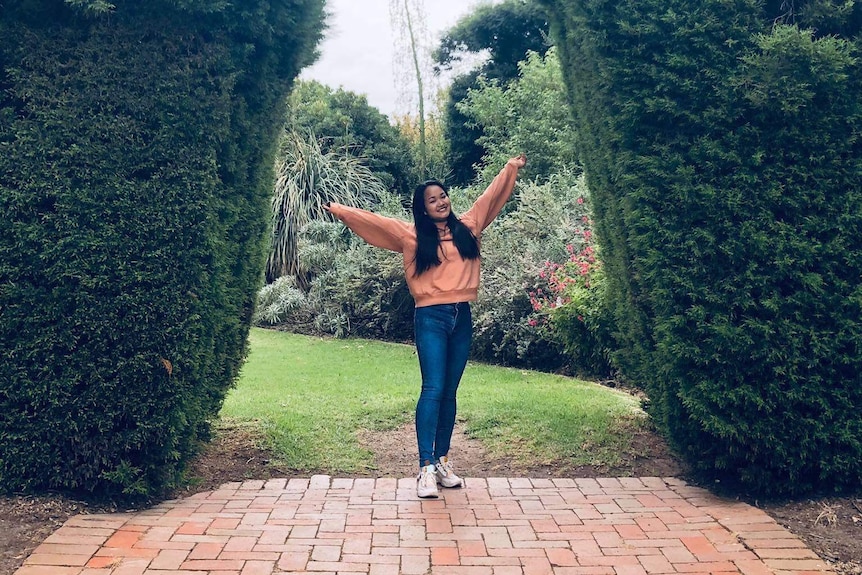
(136, 162)
(530, 114)
(503, 33)
(346, 123)
(460, 132)
(721, 147)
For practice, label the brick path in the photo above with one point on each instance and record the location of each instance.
(323, 525)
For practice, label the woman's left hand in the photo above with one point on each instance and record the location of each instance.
(519, 161)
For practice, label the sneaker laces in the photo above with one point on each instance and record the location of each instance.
(445, 466)
(427, 477)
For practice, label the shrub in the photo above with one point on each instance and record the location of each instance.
(354, 289)
(278, 301)
(135, 167)
(514, 249)
(359, 290)
(726, 171)
(571, 301)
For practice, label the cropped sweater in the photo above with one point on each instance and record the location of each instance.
(455, 279)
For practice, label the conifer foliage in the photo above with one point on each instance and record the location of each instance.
(136, 156)
(721, 145)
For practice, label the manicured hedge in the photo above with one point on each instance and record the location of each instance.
(721, 143)
(136, 149)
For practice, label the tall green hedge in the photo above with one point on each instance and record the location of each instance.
(136, 148)
(721, 141)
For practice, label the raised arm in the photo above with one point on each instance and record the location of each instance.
(488, 205)
(380, 231)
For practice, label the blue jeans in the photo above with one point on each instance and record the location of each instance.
(443, 336)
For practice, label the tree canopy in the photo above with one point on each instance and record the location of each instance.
(501, 33)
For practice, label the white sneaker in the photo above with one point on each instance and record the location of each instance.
(426, 483)
(446, 475)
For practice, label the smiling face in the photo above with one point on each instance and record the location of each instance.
(437, 204)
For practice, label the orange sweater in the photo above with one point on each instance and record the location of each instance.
(455, 279)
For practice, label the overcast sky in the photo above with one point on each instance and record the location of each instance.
(359, 48)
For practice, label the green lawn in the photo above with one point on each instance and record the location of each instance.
(310, 395)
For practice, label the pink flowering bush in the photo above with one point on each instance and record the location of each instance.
(542, 219)
(568, 298)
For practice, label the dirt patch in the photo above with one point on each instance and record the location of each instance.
(395, 456)
(234, 454)
(26, 521)
(831, 527)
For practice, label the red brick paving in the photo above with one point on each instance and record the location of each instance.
(495, 526)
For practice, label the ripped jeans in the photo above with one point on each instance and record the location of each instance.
(443, 335)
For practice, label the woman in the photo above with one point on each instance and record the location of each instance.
(441, 265)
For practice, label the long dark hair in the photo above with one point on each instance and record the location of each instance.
(427, 238)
